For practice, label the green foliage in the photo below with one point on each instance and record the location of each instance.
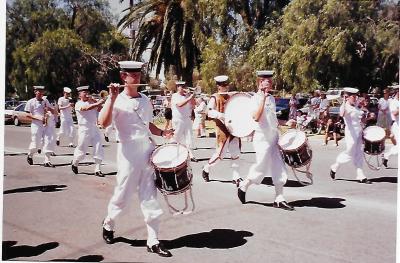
(215, 62)
(61, 43)
(329, 43)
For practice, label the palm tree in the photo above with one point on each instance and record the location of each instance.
(165, 29)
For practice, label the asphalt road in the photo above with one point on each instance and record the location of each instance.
(51, 215)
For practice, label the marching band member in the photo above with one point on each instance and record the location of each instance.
(394, 111)
(200, 118)
(265, 142)
(38, 108)
(67, 124)
(88, 132)
(353, 136)
(225, 141)
(132, 113)
(182, 105)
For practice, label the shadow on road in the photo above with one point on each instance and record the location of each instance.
(88, 258)
(320, 202)
(10, 250)
(214, 239)
(39, 188)
(385, 179)
(289, 183)
(15, 154)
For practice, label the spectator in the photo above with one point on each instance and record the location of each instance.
(293, 103)
(384, 118)
(332, 131)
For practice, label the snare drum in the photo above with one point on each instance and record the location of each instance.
(238, 116)
(172, 174)
(374, 140)
(294, 149)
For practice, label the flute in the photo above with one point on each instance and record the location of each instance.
(123, 86)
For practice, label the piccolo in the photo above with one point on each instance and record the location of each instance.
(123, 86)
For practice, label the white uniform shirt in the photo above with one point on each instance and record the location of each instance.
(394, 106)
(131, 117)
(86, 118)
(201, 108)
(66, 113)
(268, 121)
(36, 107)
(352, 118)
(182, 113)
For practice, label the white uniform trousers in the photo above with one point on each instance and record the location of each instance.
(394, 149)
(86, 136)
(352, 153)
(135, 174)
(66, 130)
(233, 147)
(268, 163)
(183, 134)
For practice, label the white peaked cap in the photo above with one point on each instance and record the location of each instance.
(179, 82)
(81, 88)
(265, 73)
(67, 90)
(38, 87)
(351, 90)
(221, 78)
(130, 64)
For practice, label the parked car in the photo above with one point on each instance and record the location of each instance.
(8, 114)
(282, 107)
(19, 115)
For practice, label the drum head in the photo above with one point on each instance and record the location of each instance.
(374, 133)
(292, 140)
(169, 156)
(238, 116)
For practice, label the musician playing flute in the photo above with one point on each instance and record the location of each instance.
(352, 135)
(225, 140)
(265, 141)
(182, 104)
(67, 125)
(37, 108)
(88, 133)
(132, 114)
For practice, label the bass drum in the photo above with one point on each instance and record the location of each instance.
(172, 173)
(294, 149)
(238, 116)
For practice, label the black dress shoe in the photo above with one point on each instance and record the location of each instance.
(74, 169)
(71, 145)
(237, 181)
(58, 142)
(106, 139)
(108, 236)
(160, 250)
(29, 160)
(283, 205)
(332, 173)
(205, 176)
(193, 159)
(39, 151)
(365, 181)
(99, 174)
(242, 195)
(49, 164)
(385, 162)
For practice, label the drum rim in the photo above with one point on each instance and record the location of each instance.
(374, 127)
(171, 169)
(295, 149)
(226, 104)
